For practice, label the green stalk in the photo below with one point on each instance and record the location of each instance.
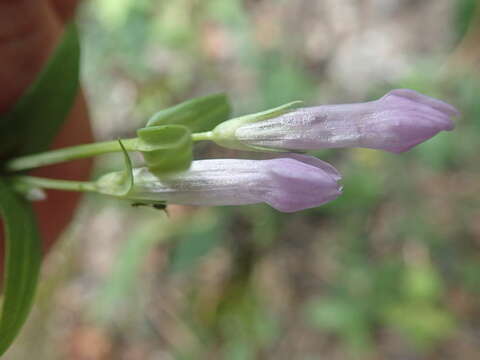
(79, 152)
(67, 154)
(207, 135)
(44, 183)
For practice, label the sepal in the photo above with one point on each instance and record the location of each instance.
(224, 133)
(166, 148)
(119, 183)
(199, 114)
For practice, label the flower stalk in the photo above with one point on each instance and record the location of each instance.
(82, 151)
(68, 154)
(22, 183)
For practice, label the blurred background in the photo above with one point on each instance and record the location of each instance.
(390, 270)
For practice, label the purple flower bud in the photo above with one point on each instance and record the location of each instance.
(287, 184)
(396, 122)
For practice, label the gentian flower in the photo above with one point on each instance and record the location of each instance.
(396, 122)
(287, 184)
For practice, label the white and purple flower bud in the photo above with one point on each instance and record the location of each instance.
(288, 184)
(396, 122)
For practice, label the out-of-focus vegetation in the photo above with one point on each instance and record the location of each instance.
(389, 270)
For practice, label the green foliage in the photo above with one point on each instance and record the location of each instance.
(37, 117)
(30, 127)
(465, 12)
(199, 114)
(23, 254)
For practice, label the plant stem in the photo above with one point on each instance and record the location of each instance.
(207, 135)
(67, 154)
(44, 183)
(79, 152)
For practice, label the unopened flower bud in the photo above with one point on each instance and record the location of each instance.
(396, 122)
(287, 184)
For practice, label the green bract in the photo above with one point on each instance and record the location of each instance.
(119, 183)
(224, 134)
(199, 114)
(166, 148)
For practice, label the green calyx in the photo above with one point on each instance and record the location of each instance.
(166, 141)
(199, 114)
(224, 133)
(119, 183)
(166, 148)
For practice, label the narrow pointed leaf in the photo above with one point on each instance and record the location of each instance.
(199, 114)
(23, 255)
(37, 117)
(119, 183)
(128, 182)
(30, 127)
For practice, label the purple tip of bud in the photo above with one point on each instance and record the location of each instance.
(298, 185)
(287, 184)
(408, 118)
(398, 121)
(426, 100)
(316, 162)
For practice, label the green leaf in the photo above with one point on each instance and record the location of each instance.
(30, 127)
(23, 256)
(166, 148)
(199, 114)
(37, 117)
